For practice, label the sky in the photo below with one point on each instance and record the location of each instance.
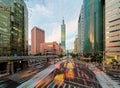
(48, 15)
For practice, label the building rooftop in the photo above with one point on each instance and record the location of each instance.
(35, 27)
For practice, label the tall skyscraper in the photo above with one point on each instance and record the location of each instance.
(81, 32)
(112, 29)
(75, 51)
(37, 37)
(13, 27)
(93, 26)
(63, 36)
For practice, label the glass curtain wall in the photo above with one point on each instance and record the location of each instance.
(13, 28)
(93, 26)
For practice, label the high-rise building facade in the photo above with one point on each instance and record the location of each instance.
(63, 36)
(112, 29)
(80, 32)
(50, 48)
(75, 51)
(37, 37)
(13, 27)
(93, 26)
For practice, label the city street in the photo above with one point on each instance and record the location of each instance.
(65, 73)
(20, 77)
(59, 43)
(8, 84)
(71, 75)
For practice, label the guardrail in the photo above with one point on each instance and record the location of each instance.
(25, 57)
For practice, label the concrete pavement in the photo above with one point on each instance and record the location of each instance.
(12, 81)
(103, 78)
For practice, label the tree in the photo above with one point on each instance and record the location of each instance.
(39, 54)
(97, 58)
(60, 55)
(74, 55)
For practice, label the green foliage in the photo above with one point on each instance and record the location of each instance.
(74, 55)
(114, 62)
(97, 58)
(60, 55)
(39, 54)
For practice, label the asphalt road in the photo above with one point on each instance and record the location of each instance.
(70, 75)
(16, 79)
(8, 84)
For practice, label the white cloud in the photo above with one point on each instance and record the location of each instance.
(41, 10)
(48, 18)
(71, 29)
(55, 35)
(70, 43)
(35, 15)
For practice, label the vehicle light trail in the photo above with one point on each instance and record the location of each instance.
(68, 74)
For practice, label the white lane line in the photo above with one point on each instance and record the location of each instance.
(50, 84)
(69, 86)
(60, 84)
(64, 85)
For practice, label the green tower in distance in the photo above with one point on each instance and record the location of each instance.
(63, 36)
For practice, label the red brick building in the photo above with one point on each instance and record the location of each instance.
(37, 37)
(50, 48)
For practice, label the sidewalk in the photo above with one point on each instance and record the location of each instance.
(104, 80)
(6, 75)
(21, 74)
(3, 76)
(26, 74)
(39, 77)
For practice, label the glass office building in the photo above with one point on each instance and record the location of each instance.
(13, 28)
(81, 32)
(93, 26)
